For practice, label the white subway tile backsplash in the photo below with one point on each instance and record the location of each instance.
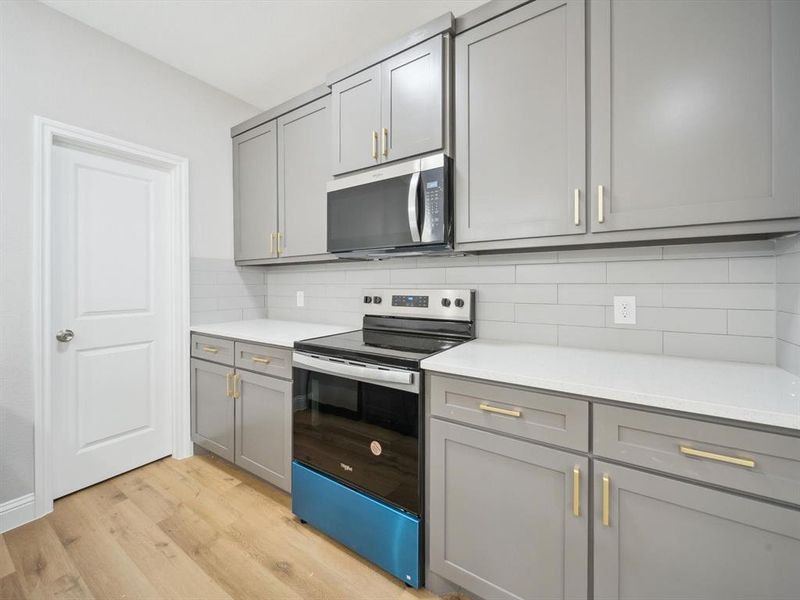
(560, 314)
(704, 300)
(752, 270)
(562, 273)
(475, 275)
(698, 320)
(751, 322)
(714, 270)
(788, 357)
(532, 333)
(602, 338)
(734, 295)
(646, 294)
(721, 347)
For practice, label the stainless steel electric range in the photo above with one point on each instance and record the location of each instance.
(358, 423)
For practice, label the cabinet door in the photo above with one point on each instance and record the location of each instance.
(521, 124)
(304, 167)
(501, 515)
(356, 121)
(264, 427)
(412, 101)
(695, 112)
(255, 192)
(212, 407)
(670, 539)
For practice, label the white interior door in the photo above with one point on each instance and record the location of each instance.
(112, 409)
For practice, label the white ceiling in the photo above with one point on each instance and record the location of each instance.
(262, 51)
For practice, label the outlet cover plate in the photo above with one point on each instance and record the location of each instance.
(301, 298)
(625, 310)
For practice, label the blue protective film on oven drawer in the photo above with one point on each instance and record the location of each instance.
(380, 533)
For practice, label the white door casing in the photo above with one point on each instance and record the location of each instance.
(110, 238)
(111, 261)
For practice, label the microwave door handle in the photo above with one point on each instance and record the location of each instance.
(413, 217)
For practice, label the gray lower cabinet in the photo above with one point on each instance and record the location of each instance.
(304, 169)
(356, 122)
(520, 124)
(695, 112)
(264, 427)
(255, 192)
(664, 538)
(503, 520)
(212, 407)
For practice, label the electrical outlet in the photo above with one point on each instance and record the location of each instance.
(625, 310)
(301, 298)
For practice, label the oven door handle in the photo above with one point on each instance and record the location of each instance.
(378, 375)
(413, 217)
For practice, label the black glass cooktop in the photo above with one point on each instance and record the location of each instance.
(384, 347)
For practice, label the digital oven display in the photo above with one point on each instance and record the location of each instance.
(411, 301)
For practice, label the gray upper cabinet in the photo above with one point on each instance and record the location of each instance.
(304, 169)
(520, 124)
(264, 426)
(356, 103)
(412, 101)
(668, 539)
(393, 110)
(255, 192)
(503, 520)
(695, 112)
(212, 407)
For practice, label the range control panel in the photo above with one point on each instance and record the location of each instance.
(432, 304)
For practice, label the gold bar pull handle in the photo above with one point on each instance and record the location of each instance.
(606, 499)
(576, 208)
(272, 243)
(211, 349)
(601, 216)
(236, 378)
(499, 411)
(279, 236)
(261, 359)
(228, 391)
(576, 491)
(385, 141)
(375, 145)
(732, 460)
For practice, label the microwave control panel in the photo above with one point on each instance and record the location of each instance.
(434, 188)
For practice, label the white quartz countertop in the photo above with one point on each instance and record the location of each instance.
(752, 393)
(270, 331)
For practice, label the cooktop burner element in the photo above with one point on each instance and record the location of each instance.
(401, 328)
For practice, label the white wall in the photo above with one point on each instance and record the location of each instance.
(56, 67)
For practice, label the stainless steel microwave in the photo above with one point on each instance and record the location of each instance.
(400, 209)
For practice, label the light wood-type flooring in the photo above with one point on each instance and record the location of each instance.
(198, 528)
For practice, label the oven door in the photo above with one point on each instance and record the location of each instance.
(361, 425)
(402, 206)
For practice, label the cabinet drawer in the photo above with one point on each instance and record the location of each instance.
(767, 464)
(525, 413)
(264, 359)
(217, 350)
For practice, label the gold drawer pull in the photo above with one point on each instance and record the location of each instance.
(606, 499)
(500, 411)
(228, 391)
(211, 349)
(733, 460)
(576, 491)
(261, 359)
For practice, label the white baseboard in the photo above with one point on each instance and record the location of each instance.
(17, 512)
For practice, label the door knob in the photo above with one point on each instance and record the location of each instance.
(65, 335)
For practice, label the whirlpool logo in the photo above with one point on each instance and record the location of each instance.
(347, 468)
